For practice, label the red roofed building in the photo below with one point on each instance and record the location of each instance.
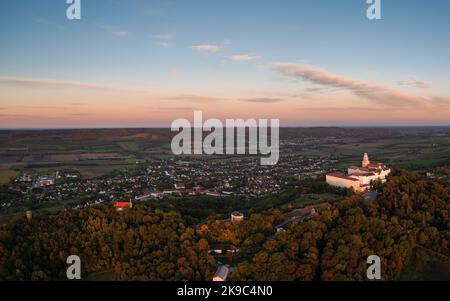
(120, 206)
(359, 178)
(180, 186)
(314, 213)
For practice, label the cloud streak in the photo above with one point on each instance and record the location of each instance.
(190, 98)
(114, 31)
(27, 83)
(81, 114)
(380, 94)
(414, 82)
(244, 58)
(13, 116)
(176, 109)
(163, 36)
(162, 44)
(206, 48)
(263, 100)
(48, 83)
(162, 40)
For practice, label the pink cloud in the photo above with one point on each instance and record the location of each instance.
(378, 93)
(244, 58)
(412, 81)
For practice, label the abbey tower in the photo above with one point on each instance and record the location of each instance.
(365, 161)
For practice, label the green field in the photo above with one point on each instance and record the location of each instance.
(6, 175)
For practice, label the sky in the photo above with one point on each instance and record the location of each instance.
(136, 63)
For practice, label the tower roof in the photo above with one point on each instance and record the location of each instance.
(365, 160)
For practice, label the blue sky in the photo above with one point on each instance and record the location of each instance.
(151, 46)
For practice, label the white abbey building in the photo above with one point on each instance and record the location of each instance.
(359, 178)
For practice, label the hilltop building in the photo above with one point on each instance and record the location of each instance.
(365, 161)
(361, 177)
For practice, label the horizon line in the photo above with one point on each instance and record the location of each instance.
(168, 127)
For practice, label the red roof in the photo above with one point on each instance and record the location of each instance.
(360, 168)
(122, 205)
(363, 174)
(374, 165)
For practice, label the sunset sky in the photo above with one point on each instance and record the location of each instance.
(136, 63)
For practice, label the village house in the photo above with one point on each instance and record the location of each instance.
(26, 177)
(301, 215)
(44, 181)
(120, 206)
(179, 186)
(221, 249)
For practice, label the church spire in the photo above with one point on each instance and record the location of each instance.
(365, 161)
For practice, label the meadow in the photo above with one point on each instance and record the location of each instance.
(99, 152)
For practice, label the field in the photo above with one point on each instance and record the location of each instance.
(6, 174)
(100, 152)
(91, 153)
